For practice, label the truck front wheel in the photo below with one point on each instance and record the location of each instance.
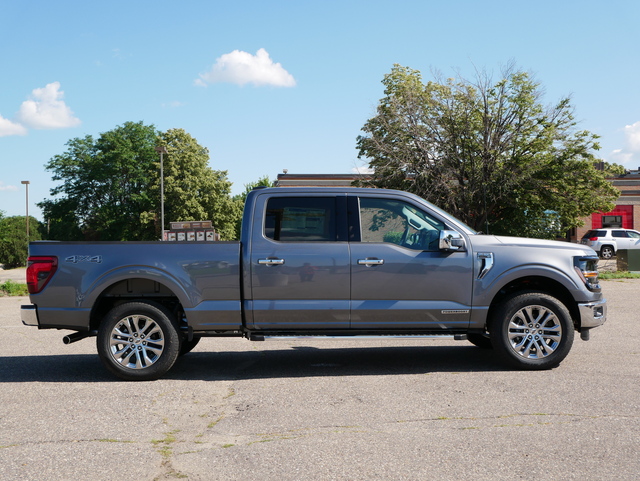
(532, 331)
(138, 341)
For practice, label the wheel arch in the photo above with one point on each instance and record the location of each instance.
(540, 284)
(126, 286)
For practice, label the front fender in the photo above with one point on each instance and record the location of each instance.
(487, 288)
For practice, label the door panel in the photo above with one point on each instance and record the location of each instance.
(411, 289)
(400, 279)
(300, 274)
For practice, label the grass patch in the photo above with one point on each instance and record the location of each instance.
(213, 423)
(164, 446)
(10, 288)
(618, 275)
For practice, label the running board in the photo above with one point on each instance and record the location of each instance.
(301, 337)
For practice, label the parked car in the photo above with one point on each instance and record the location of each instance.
(606, 242)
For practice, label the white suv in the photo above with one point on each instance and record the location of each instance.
(606, 242)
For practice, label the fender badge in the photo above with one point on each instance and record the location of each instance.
(76, 259)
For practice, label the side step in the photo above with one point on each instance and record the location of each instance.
(257, 337)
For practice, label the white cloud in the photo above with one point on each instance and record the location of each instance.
(46, 109)
(7, 127)
(242, 68)
(630, 153)
(362, 170)
(7, 187)
(632, 133)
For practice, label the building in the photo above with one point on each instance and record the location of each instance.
(316, 180)
(626, 213)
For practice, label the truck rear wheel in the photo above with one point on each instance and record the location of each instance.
(138, 341)
(532, 331)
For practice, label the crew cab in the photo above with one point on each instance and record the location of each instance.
(319, 262)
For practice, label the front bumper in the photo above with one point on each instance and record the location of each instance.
(29, 315)
(593, 314)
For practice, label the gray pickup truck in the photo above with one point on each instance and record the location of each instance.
(319, 262)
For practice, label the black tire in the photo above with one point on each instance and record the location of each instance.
(481, 340)
(187, 346)
(138, 341)
(607, 252)
(532, 331)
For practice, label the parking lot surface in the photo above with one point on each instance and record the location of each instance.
(323, 409)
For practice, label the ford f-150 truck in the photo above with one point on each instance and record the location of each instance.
(319, 262)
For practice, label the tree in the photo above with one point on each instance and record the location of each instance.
(241, 198)
(105, 186)
(194, 191)
(111, 186)
(490, 153)
(13, 239)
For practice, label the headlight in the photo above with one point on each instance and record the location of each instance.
(587, 269)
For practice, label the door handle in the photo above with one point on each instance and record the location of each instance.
(271, 261)
(370, 262)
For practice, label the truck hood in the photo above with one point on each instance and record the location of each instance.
(490, 241)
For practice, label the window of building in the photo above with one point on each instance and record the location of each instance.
(611, 221)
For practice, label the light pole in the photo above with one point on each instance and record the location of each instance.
(26, 184)
(162, 150)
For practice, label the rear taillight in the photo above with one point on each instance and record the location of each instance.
(593, 239)
(40, 269)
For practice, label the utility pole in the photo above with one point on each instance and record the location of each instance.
(26, 184)
(161, 150)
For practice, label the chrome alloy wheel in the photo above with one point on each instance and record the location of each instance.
(136, 342)
(534, 332)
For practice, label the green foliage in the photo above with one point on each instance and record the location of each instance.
(10, 288)
(110, 186)
(490, 153)
(618, 275)
(242, 197)
(13, 240)
(393, 237)
(105, 186)
(613, 170)
(261, 182)
(192, 190)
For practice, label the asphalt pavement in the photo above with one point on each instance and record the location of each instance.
(14, 275)
(323, 409)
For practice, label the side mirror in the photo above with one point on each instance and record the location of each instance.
(451, 240)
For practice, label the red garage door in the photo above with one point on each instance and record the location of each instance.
(621, 216)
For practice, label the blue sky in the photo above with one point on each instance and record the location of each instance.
(275, 85)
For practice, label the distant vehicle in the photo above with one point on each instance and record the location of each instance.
(606, 242)
(319, 262)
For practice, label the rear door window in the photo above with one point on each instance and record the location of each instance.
(301, 219)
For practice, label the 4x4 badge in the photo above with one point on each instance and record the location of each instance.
(76, 259)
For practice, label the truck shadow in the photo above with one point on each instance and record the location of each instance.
(318, 362)
(300, 361)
